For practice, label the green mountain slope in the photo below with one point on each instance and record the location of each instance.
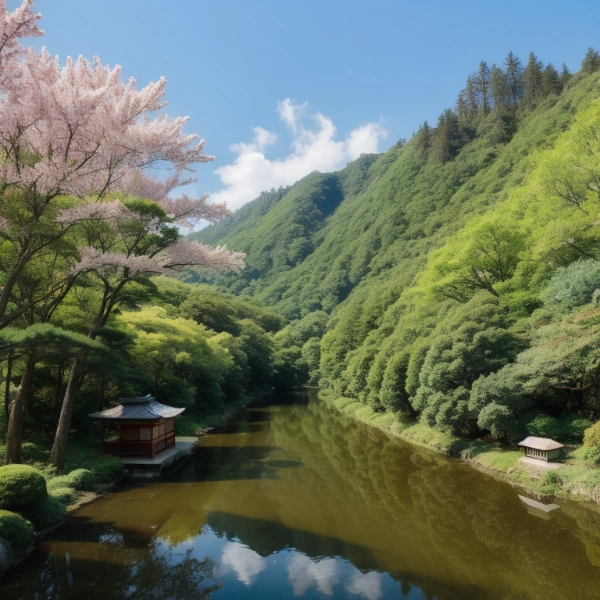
(427, 276)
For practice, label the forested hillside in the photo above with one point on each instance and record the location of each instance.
(453, 278)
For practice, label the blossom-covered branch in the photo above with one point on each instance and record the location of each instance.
(180, 255)
(85, 128)
(184, 210)
(92, 211)
(185, 253)
(22, 22)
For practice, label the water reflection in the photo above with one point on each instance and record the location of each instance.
(246, 563)
(297, 501)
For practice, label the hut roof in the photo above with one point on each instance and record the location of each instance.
(538, 443)
(145, 408)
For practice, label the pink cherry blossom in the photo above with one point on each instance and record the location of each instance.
(93, 211)
(184, 210)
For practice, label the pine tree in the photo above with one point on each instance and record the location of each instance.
(514, 79)
(446, 143)
(481, 83)
(591, 62)
(466, 104)
(532, 82)
(498, 87)
(551, 81)
(424, 141)
(565, 75)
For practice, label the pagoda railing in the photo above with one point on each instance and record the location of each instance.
(139, 448)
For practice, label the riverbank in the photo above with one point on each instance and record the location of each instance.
(575, 480)
(108, 471)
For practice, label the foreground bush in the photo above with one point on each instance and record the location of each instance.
(82, 479)
(21, 485)
(46, 513)
(106, 469)
(16, 531)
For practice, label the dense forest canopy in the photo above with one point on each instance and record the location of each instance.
(455, 277)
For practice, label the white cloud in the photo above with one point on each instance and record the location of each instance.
(313, 148)
(244, 561)
(304, 573)
(367, 585)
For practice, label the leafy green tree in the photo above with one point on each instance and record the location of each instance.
(472, 341)
(491, 257)
(573, 286)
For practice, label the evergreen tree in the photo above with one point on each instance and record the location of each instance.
(551, 81)
(591, 62)
(447, 139)
(532, 82)
(461, 106)
(565, 75)
(466, 105)
(498, 87)
(481, 82)
(424, 141)
(514, 79)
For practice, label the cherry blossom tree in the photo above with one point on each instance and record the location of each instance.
(79, 130)
(71, 137)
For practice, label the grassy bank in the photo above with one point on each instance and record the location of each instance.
(573, 480)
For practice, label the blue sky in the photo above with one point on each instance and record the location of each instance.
(280, 88)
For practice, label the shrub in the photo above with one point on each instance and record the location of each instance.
(591, 436)
(58, 482)
(46, 513)
(82, 479)
(21, 485)
(65, 495)
(106, 469)
(573, 285)
(16, 531)
(551, 482)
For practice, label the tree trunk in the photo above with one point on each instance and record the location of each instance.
(9, 364)
(59, 386)
(14, 434)
(61, 439)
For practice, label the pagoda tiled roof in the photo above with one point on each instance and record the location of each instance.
(145, 408)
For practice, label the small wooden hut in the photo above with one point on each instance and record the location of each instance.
(146, 427)
(541, 448)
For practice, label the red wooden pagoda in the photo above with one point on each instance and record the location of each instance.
(146, 427)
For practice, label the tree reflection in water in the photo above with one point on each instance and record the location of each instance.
(159, 573)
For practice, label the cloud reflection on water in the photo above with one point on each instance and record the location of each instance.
(304, 573)
(367, 585)
(244, 561)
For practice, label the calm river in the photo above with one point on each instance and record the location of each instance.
(294, 500)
